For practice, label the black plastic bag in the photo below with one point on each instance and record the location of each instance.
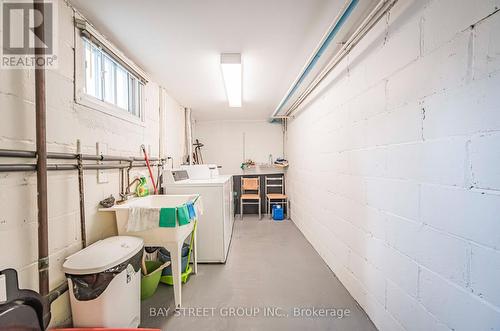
(89, 287)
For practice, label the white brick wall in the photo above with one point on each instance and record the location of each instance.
(394, 168)
(484, 175)
(66, 122)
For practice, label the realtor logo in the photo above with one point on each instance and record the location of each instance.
(24, 45)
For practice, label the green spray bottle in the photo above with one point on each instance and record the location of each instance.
(142, 190)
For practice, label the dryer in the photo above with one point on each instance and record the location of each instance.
(215, 226)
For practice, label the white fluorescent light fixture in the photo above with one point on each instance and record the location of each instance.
(231, 73)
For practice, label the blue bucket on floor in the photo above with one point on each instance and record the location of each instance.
(164, 256)
(278, 214)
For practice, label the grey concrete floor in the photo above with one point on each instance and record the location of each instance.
(271, 269)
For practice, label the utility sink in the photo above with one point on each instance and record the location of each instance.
(156, 236)
(170, 238)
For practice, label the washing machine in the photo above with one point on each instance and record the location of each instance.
(215, 226)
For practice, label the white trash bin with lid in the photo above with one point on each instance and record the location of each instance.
(104, 282)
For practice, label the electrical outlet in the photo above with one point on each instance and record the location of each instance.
(102, 176)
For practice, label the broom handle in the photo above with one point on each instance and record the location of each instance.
(149, 168)
(191, 244)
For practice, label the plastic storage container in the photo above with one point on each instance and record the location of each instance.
(278, 214)
(105, 283)
(186, 269)
(149, 282)
(164, 256)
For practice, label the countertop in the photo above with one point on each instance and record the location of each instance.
(261, 171)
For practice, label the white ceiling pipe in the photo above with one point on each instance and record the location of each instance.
(189, 134)
(332, 31)
(378, 12)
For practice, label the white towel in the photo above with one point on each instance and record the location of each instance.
(142, 219)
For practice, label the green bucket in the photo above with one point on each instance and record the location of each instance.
(149, 282)
(169, 280)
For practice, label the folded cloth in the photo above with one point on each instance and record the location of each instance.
(191, 210)
(183, 215)
(141, 219)
(168, 218)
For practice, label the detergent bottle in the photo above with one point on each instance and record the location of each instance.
(142, 190)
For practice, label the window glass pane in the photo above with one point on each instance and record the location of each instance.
(132, 94)
(109, 80)
(92, 71)
(96, 56)
(140, 93)
(89, 76)
(121, 87)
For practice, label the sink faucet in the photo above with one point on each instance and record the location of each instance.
(127, 193)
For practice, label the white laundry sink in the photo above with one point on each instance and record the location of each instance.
(156, 236)
(170, 238)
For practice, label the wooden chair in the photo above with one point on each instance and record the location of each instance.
(276, 198)
(250, 192)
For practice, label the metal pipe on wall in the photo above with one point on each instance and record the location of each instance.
(17, 167)
(61, 156)
(17, 153)
(103, 166)
(71, 156)
(41, 152)
(81, 194)
(162, 112)
(62, 167)
(66, 167)
(32, 167)
(57, 292)
(189, 135)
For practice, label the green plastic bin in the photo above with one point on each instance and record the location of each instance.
(149, 282)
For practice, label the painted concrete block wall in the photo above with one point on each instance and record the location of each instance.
(394, 168)
(66, 122)
(229, 143)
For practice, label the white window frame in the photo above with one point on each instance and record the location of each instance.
(91, 102)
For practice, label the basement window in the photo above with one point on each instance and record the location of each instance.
(110, 82)
(106, 80)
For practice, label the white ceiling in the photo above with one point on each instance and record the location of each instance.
(179, 44)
